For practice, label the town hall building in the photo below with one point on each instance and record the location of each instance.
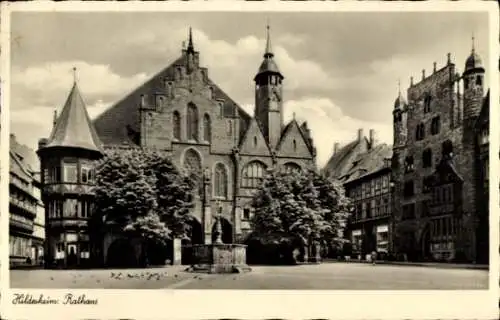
(182, 113)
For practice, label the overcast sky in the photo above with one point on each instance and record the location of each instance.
(341, 69)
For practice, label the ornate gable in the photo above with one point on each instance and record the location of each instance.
(253, 141)
(293, 142)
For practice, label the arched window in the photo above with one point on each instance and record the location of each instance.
(192, 122)
(192, 164)
(220, 181)
(207, 130)
(254, 141)
(177, 125)
(427, 158)
(192, 161)
(294, 145)
(291, 167)
(253, 174)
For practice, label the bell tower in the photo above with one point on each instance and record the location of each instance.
(269, 96)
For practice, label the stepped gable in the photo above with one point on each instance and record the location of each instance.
(119, 125)
(73, 128)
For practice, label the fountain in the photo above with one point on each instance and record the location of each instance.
(217, 257)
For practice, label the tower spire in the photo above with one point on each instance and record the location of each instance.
(269, 51)
(473, 43)
(74, 75)
(190, 47)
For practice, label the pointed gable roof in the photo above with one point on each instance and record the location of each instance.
(246, 143)
(289, 128)
(73, 128)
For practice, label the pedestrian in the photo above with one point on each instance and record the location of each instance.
(374, 257)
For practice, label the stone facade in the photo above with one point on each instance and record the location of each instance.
(185, 115)
(436, 164)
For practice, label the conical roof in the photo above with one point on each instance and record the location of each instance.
(268, 65)
(474, 61)
(73, 128)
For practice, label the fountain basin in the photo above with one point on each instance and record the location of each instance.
(219, 258)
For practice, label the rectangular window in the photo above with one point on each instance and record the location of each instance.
(246, 214)
(70, 173)
(71, 208)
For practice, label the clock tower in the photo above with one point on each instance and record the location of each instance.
(269, 96)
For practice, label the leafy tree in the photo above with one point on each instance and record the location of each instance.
(123, 191)
(175, 194)
(303, 205)
(144, 194)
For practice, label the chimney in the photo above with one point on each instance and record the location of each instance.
(336, 147)
(423, 74)
(360, 134)
(373, 138)
(435, 67)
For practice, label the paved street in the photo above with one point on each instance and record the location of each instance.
(331, 276)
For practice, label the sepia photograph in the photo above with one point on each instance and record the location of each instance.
(248, 150)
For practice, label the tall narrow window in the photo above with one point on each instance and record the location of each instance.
(427, 158)
(479, 81)
(177, 125)
(192, 122)
(294, 145)
(435, 125)
(220, 181)
(420, 133)
(254, 141)
(207, 129)
(427, 103)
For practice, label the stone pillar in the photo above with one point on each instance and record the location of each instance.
(176, 251)
(206, 209)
